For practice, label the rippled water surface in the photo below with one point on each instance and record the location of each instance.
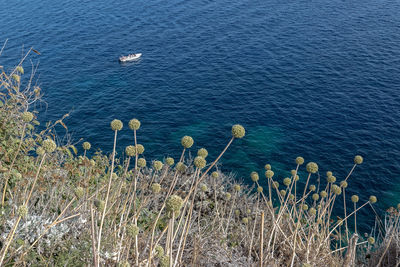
(319, 79)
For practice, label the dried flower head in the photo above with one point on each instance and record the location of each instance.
(132, 230)
(312, 187)
(358, 160)
(16, 78)
(315, 196)
(287, 181)
(371, 240)
(304, 207)
(116, 125)
(237, 212)
(336, 189)
(238, 131)
(20, 69)
(323, 194)
(228, 196)
(343, 184)
(187, 141)
(331, 179)
(49, 145)
(299, 160)
(164, 261)
(373, 199)
(86, 145)
(22, 211)
(180, 167)
(312, 211)
(200, 162)
(283, 192)
(159, 251)
(140, 149)
(141, 163)
(296, 178)
(215, 174)
(157, 165)
(130, 151)
(312, 167)
(169, 161)
(156, 188)
(27, 116)
(236, 187)
(203, 188)
(40, 151)
(134, 124)
(245, 220)
(259, 189)
(354, 198)
(328, 173)
(254, 176)
(99, 204)
(269, 174)
(267, 167)
(174, 204)
(275, 184)
(202, 152)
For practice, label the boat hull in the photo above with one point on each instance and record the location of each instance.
(130, 57)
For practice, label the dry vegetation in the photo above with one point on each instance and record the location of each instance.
(59, 208)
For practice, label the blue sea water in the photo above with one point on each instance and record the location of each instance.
(318, 78)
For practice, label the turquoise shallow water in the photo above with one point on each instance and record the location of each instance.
(313, 78)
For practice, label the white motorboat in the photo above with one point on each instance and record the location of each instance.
(130, 57)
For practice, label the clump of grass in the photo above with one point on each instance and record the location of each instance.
(105, 210)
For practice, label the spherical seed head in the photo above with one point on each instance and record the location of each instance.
(79, 192)
(323, 194)
(174, 203)
(237, 212)
(130, 151)
(315, 196)
(159, 251)
(312, 167)
(20, 69)
(157, 165)
(27, 116)
(16, 77)
(169, 161)
(373, 199)
(202, 152)
(248, 211)
(22, 211)
(236, 187)
(299, 160)
(238, 131)
(156, 188)
(164, 261)
(228, 196)
(313, 187)
(49, 145)
(343, 184)
(134, 124)
(287, 181)
(180, 167)
(331, 179)
(254, 176)
(336, 189)
(114, 176)
(40, 151)
(312, 211)
(116, 125)
(354, 198)
(141, 163)
(187, 141)
(358, 159)
(371, 240)
(200, 162)
(245, 220)
(86, 145)
(269, 174)
(296, 178)
(203, 187)
(304, 207)
(291, 197)
(215, 174)
(132, 230)
(259, 189)
(328, 174)
(275, 184)
(267, 167)
(140, 149)
(124, 264)
(282, 192)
